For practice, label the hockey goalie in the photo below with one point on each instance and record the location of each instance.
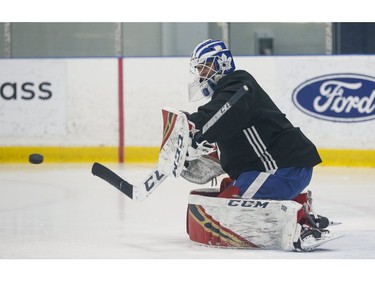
(266, 163)
(222, 216)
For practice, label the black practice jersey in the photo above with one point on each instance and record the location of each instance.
(254, 134)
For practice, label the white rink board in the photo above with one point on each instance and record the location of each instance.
(33, 98)
(89, 113)
(279, 76)
(286, 73)
(150, 85)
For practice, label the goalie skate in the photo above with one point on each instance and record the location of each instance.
(314, 220)
(312, 238)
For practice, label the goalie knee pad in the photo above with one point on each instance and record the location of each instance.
(225, 183)
(229, 192)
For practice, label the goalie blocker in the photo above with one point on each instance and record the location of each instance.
(178, 150)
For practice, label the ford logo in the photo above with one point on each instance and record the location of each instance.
(342, 97)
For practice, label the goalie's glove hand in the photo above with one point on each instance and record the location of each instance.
(199, 147)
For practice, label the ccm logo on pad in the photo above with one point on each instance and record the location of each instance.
(247, 203)
(337, 97)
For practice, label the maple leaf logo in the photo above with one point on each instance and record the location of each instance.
(225, 62)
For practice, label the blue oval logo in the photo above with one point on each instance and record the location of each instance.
(337, 97)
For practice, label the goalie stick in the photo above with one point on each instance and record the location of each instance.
(157, 176)
(139, 192)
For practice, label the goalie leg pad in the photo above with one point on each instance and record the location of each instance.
(242, 223)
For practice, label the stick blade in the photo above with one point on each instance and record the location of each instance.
(112, 178)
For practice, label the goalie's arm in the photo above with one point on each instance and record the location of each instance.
(223, 114)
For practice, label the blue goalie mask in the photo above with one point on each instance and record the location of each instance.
(210, 61)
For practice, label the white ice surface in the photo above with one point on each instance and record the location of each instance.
(61, 211)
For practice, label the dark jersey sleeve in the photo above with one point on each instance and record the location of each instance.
(230, 122)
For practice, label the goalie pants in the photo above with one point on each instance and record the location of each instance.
(283, 184)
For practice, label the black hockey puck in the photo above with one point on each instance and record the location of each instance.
(35, 158)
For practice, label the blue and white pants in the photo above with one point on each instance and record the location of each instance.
(282, 184)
